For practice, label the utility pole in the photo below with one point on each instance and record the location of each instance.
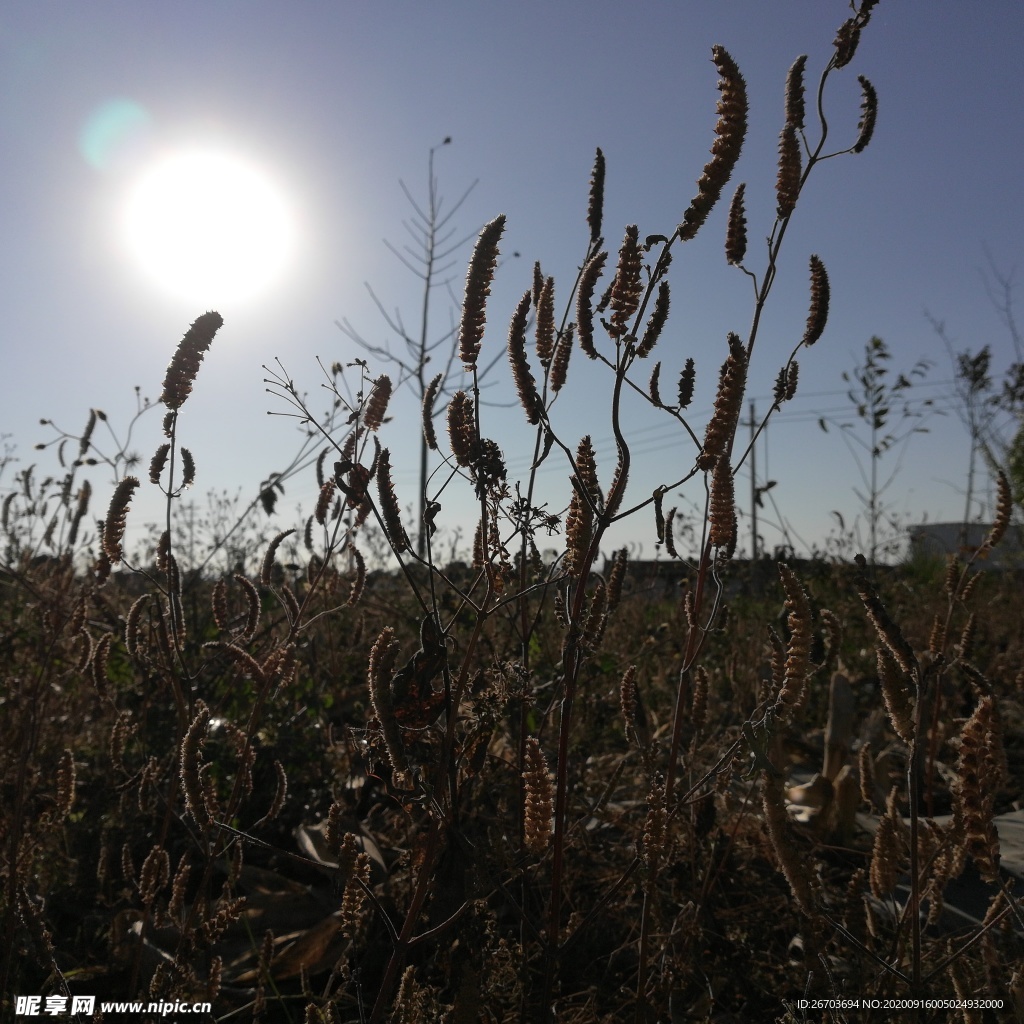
(753, 486)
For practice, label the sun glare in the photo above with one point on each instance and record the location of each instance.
(209, 227)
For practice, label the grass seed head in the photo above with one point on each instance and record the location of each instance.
(627, 286)
(429, 435)
(117, 518)
(544, 329)
(390, 510)
(729, 133)
(377, 405)
(184, 365)
(818, 316)
(657, 321)
(868, 114)
(736, 233)
(787, 184)
(595, 207)
(526, 385)
(537, 813)
(478, 286)
(585, 302)
(731, 383)
(798, 649)
(795, 93)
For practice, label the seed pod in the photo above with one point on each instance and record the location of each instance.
(818, 316)
(595, 208)
(188, 468)
(868, 115)
(729, 133)
(787, 185)
(478, 287)
(736, 233)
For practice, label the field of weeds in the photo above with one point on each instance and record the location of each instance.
(515, 788)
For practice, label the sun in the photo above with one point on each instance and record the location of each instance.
(209, 227)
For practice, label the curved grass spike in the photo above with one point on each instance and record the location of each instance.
(888, 631)
(478, 286)
(188, 468)
(723, 506)
(377, 405)
(1004, 509)
(545, 327)
(657, 321)
(736, 233)
(795, 93)
(595, 208)
(537, 811)
(184, 365)
(627, 286)
(268, 558)
(729, 131)
(389, 508)
(429, 396)
(868, 115)
(787, 185)
(560, 362)
(462, 429)
(798, 650)
(820, 293)
(584, 303)
(116, 521)
(722, 425)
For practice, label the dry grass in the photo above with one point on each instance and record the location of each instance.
(510, 791)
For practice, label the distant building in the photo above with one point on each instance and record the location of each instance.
(939, 540)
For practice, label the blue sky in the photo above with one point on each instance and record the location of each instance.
(335, 102)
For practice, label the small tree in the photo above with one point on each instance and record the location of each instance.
(429, 259)
(875, 400)
(994, 420)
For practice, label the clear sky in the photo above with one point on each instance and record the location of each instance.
(333, 103)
